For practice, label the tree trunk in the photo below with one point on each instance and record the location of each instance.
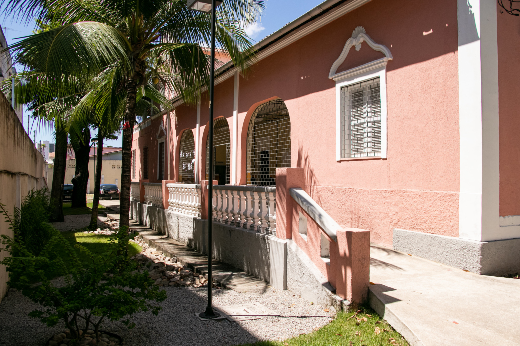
(124, 219)
(97, 182)
(58, 177)
(81, 148)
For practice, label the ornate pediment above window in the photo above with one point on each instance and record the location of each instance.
(161, 133)
(359, 36)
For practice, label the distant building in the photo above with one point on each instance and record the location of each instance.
(7, 71)
(110, 171)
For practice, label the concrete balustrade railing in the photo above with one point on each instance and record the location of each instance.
(185, 199)
(249, 207)
(153, 194)
(135, 191)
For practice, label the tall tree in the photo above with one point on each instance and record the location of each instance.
(79, 134)
(127, 36)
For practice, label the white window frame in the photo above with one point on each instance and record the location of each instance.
(359, 74)
(355, 79)
(161, 136)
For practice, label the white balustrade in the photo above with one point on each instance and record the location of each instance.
(250, 207)
(184, 199)
(153, 194)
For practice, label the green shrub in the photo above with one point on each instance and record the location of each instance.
(30, 224)
(107, 287)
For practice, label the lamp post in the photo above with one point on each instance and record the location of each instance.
(209, 6)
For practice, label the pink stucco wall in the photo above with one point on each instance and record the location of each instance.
(509, 121)
(417, 186)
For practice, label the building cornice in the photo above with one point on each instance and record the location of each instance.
(285, 36)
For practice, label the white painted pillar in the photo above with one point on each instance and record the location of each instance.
(197, 146)
(234, 168)
(478, 120)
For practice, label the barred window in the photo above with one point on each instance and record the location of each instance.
(145, 163)
(161, 161)
(221, 146)
(361, 119)
(187, 158)
(268, 143)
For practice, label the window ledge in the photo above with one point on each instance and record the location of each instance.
(362, 158)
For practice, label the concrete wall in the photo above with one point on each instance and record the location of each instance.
(21, 169)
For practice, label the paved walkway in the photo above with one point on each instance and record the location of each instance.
(433, 304)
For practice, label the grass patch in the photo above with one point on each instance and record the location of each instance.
(364, 327)
(68, 210)
(96, 243)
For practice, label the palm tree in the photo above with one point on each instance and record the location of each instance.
(124, 38)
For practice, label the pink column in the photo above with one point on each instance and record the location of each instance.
(165, 193)
(350, 264)
(204, 198)
(286, 212)
(141, 190)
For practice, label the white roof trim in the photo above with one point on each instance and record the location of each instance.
(284, 42)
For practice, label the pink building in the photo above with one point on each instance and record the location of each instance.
(399, 114)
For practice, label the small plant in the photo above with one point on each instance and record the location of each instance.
(86, 293)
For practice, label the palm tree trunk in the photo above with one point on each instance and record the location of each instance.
(124, 219)
(97, 182)
(58, 177)
(82, 152)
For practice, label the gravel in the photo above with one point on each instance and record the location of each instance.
(177, 323)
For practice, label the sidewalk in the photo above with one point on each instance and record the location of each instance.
(433, 304)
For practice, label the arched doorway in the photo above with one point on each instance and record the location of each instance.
(187, 158)
(221, 146)
(268, 143)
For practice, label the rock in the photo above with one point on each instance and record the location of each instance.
(102, 343)
(53, 343)
(63, 345)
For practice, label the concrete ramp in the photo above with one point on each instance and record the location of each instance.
(433, 304)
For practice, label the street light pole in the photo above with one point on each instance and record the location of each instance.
(204, 6)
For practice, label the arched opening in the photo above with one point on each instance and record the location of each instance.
(187, 158)
(268, 143)
(221, 148)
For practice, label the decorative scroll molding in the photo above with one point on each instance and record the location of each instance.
(160, 132)
(359, 36)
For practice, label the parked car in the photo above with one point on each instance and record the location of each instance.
(108, 191)
(67, 191)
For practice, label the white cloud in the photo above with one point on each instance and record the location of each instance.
(254, 29)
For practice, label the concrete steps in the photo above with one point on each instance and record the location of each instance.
(225, 274)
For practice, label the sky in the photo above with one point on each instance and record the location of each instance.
(277, 13)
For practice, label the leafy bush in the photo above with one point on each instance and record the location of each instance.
(87, 293)
(30, 224)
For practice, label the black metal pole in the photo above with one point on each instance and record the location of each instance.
(209, 313)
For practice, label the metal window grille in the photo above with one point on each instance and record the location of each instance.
(161, 161)
(145, 163)
(187, 158)
(268, 143)
(133, 163)
(221, 143)
(361, 119)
